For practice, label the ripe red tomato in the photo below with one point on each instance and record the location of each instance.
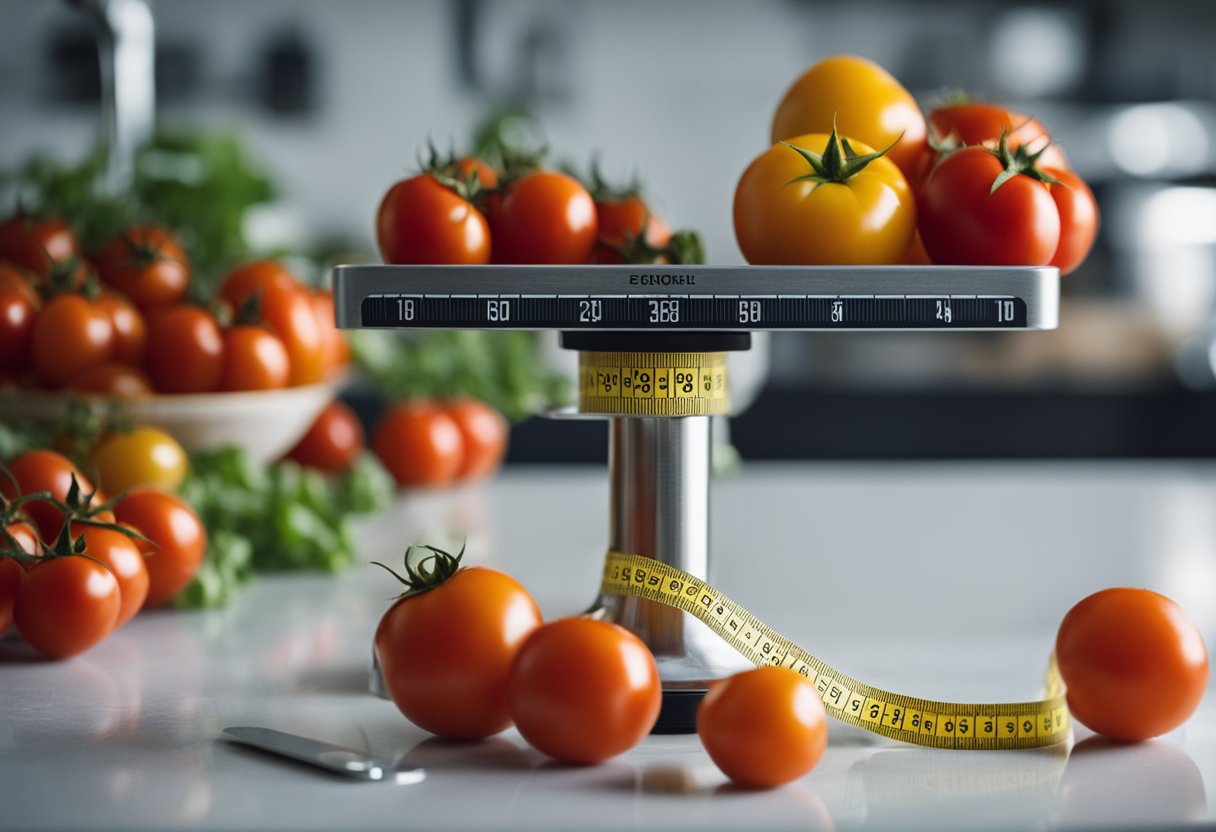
(179, 540)
(185, 350)
(22, 537)
(254, 359)
(763, 727)
(487, 177)
(419, 444)
(20, 280)
(422, 221)
(1133, 661)
(290, 316)
(622, 220)
(37, 245)
(71, 334)
(65, 605)
(484, 432)
(961, 223)
(547, 218)
(17, 315)
(983, 124)
(112, 379)
(130, 330)
(43, 470)
(583, 690)
(446, 653)
(255, 276)
(1078, 219)
(333, 442)
(146, 264)
(337, 351)
(122, 557)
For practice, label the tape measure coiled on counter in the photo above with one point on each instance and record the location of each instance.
(950, 725)
(653, 383)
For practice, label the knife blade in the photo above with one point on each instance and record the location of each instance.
(334, 758)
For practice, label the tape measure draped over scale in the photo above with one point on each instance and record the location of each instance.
(653, 383)
(927, 722)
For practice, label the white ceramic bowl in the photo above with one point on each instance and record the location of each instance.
(265, 423)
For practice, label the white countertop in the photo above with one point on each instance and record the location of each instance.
(943, 581)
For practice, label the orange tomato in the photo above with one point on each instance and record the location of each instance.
(419, 444)
(147, 264)
(130, 329)
(178, 539)
(484, 433)
(289, 314)
(122, 557)
(337, 351)
(421, 220)
(37, 245)
(43, 470)
(255, 276)
(71, 335)
(65, 605)
(622, 220)
(254, 359)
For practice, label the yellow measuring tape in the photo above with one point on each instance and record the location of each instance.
(910, 719)
(653, 383)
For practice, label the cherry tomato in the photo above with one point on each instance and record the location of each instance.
(863, 218)
(333, 442)
(487, 177)
(17, 315)
(147, 264)
(65, 605)
(419, 444)
(255, 276)
(145, 455)
(16, 278)
(583, 690)
(422, 221)
(1078, 219)
(37, 245)
(1133, 661)
(122, 557)
(71, 335)
(983, 124)
(185, 351)
(763, 727)
(130, 330)
(961, 223)
(179, 540)
(43, 470)
(254, 359)
(22, 537)
(337, 351)
(446, 653)
(545, 217)
(484, 432)
(622, 220)
(862, 100)
(112, 379)
(289, 314)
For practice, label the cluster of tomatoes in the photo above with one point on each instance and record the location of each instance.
(117, 321)
(436, 443)
(856, 175)
(74, 568)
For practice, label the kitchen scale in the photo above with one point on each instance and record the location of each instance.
(652, 343)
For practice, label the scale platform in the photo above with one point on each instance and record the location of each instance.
(653, 343)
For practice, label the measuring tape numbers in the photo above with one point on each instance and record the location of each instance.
(653, 383)
(926, 722)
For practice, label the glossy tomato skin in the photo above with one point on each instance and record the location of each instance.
(484, 433)
(1078, 219)
(255, 276)
(419, 444)
(130, 329)
(122, 557)
(146, 264)
(869, 220)
(17, 315)
(763, 727)
(254, 359)
(961, 223)
(65, 605)
(618, 220)
(337, 350)
(333, 442)
(71, 335)
(43, 470)
(983, 124)
(1133, 661)
(545, 218)
(178, 539)
(37, 245)
(289, 315)
(583, 690)
(864, 101)
(145, 455)
(113, 379)
(446, 653)
(421, 221)
(185, 350)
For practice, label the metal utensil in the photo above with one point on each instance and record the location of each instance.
(335, 758)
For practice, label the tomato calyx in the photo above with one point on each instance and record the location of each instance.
(602, 190)
(685, 247)
(838, 163)
(426, 571)
(1019, 162)
(446, 171)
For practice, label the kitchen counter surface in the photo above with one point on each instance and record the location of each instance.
(943, 581)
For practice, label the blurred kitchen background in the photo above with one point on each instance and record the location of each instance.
(335, 99)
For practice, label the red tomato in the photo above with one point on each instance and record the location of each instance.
(17, 315)
(71, 334)
(254, 359)
(112, 379)
(10, 575)
(419, 444)
(979, 123)
(130, 330)
(763, 727)
(122, 557)
(961, 223)
(289, 314)
(146, 264)
(16, 278)
(422, 221)
(484, 431)
(65, 605)
(337, 351)
(43, 470)
(583, 690)
(621, 221)
(1134, 663)
(179, 540)
(37, 245)
(255, 276)
(185, 351)
(446, 653)
(547, 218)
(333, 442)
(1078, 219)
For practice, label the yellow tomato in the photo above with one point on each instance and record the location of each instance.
(808, 202)
(864, 100)
(144, 456)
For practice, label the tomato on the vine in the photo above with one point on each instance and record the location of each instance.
(446, 647)
(65, 605)
(333, 441)
(147, 264)
(18, 537)
(419, 444)
(71, 335)
(1133, 661)
(145, 455)
(185, 350)
(823, 200)
(484, 433)
(583, 690)
(545, 217)
(37, 245)
(763, 727)
(178, 539)
(959, 125)
(118, 553)
(626, 219)
(254, 359)
(43, 470)
(420, 220)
